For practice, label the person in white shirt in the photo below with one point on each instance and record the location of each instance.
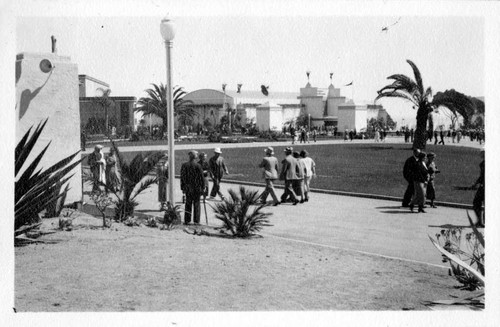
(310, 171)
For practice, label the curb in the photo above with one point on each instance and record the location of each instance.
(352, 194)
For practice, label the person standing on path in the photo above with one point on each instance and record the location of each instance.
(288, 173)
(432, 169)
(435, 137)
(217, 169)
(97, 165)
(408, 171)
(477, 203)
(314, 134)
(112, 180)
(162, 176)
(193, 185)
(310, 172)
(292, 134)
(270, 174)
(206, 169)
(420, 179)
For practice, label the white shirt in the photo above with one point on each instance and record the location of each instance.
(310, 165)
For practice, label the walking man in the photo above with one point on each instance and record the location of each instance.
(193, 185)
(270, 174)
(288, 173)
(218, 168)
(309, 172)
(408, 172)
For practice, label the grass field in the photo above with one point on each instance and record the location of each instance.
(363, 168)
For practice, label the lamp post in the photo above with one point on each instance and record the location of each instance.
(168, 33)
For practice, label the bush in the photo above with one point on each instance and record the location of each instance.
(236, 215)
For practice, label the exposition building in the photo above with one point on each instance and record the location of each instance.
(324, 107)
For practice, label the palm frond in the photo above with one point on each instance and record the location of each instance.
(392, 94)
(23, 149)
(418, 77)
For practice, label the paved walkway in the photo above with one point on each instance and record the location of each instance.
(375, 227)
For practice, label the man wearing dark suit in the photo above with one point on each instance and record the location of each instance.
(408, 172)
(477, 204)
(289, 174)
(193, 185)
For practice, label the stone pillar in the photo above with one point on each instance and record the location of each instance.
(47, 87)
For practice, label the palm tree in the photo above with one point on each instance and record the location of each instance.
(413, 90)
(156, 103)
(134, 179)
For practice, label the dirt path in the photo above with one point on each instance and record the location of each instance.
(143, 269)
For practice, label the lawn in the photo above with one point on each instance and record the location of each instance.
(363, 168)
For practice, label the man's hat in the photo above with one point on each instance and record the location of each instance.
(98, 146)
(217, 150)
(193, 153)
(289, 149)
(431, 155)
(269, 150)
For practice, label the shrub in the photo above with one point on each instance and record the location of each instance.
(236, 214)
(34, 189)
(134, 180)
(467, 267)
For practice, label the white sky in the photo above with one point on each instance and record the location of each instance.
(129, 54)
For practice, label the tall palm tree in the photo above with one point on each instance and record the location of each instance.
(156, 103)
(413, 90)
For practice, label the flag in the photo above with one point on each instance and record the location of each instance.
(239, 88)
(224, 87)
(349, 84)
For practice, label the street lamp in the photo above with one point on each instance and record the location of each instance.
(168, 33)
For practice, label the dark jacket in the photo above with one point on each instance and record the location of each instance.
(420, 175)
(409, 168)
(192, 177)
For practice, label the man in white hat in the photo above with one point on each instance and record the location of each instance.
(217, 169)
(97, 165)
(270, 174)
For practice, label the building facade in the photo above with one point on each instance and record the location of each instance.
(97, 111)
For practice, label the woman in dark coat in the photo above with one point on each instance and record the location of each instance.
(420, 178)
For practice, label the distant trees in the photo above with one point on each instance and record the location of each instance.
(413, 90)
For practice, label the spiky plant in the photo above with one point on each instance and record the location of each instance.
(237, 214)
(405, 88)
(36, 189)
(134, 180)
(472, 278)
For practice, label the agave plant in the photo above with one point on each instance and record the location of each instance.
(237, 215)
(472, 278)
(35, 189)
(134, 180)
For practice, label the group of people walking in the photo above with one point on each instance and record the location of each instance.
(297, 170)
(420, 171)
